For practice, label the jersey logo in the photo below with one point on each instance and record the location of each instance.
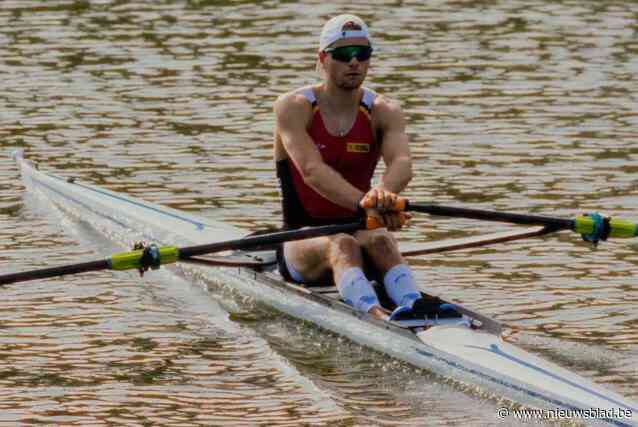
(356, 147)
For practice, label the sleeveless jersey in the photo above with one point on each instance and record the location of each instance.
(354, 155)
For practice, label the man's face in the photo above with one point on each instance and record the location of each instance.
(346, 75)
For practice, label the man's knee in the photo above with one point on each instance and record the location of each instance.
(381, 244)
(344, 246)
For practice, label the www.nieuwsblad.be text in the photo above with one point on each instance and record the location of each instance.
(566, 414)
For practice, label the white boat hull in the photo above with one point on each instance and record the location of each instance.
(466, 355)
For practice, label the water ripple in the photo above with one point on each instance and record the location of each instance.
(523, 105)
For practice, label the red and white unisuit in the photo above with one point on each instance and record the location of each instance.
(354, 155)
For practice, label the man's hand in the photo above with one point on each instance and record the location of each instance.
(379, 204)
(380, 199)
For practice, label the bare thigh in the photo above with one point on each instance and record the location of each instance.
(381, 247)
(309, 257)
(316, 258)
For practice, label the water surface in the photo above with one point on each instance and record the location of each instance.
(520, 105)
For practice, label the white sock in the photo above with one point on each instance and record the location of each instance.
(357, 291)
(400, 285)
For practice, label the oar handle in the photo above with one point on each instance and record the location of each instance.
(401, 204)
(372, 223)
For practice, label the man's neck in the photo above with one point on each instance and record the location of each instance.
(340, 100)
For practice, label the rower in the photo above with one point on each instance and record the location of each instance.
(328, 140)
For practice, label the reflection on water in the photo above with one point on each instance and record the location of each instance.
(525, 106)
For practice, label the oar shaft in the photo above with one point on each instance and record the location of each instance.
(485, 215)
(55, 271)
(170, 254)
(270, 239)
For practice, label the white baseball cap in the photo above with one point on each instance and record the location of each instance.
(342, 27)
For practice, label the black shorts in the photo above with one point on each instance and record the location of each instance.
(281, 264)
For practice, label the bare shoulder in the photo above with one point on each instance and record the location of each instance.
(387, 111)
(293, 104)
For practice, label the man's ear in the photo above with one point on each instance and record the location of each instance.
(322, 56)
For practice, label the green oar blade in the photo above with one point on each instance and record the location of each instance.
(618, 227)
(133, 259)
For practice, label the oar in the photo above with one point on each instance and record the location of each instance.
(156, 256)
(592, 226)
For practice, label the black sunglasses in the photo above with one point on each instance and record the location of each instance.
(346, 53)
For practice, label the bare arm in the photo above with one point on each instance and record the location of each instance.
(396, 156)
(292, 113)
(395, 149)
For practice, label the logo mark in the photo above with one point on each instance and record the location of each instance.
(351, 26)
(355, 147)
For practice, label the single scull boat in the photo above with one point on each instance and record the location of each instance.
(469, 350)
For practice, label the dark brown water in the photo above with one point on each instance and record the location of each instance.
(519, 105)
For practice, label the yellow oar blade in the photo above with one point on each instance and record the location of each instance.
(618, 227)
(133, 259)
